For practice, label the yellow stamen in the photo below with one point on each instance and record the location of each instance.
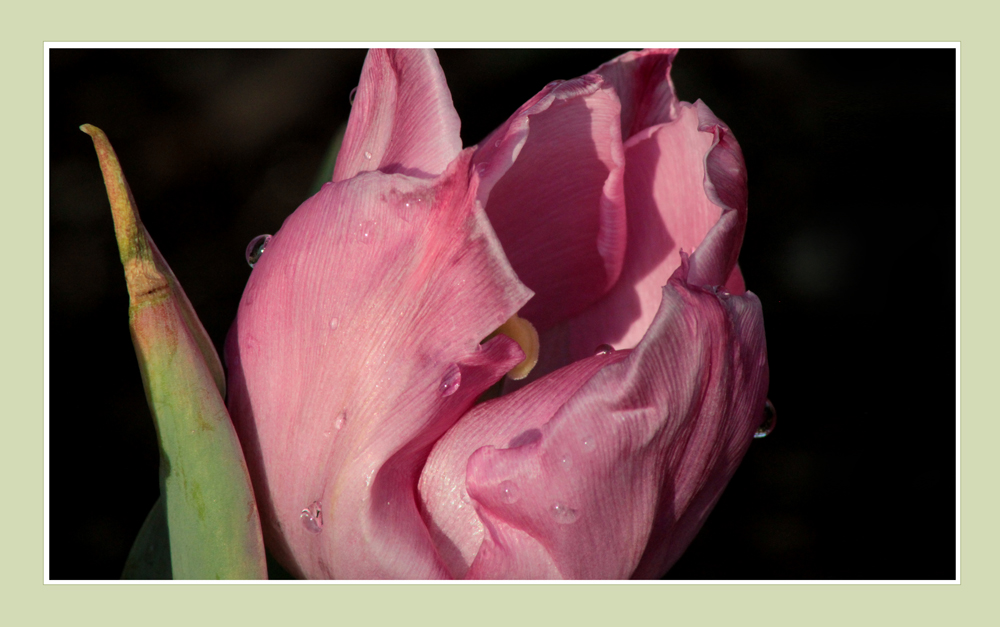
(522, 332)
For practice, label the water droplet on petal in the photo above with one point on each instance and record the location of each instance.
(256, 248)
(333, 323)
(451, 380)
(566, 462)
(564, 514)
(350, 97)
(589, 444)
(368, 155)
(496, 144)
(770, 419)
(341, 419)
(366, 232)
(312, 518)
(604, 349)
(509, 492)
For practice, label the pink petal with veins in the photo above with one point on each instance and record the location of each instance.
(356, 346)
(553, 189)
(642, 80)
(685, 186)
(402, 120)
(616, 460)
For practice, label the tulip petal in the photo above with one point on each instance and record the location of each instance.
(402, 119)
(620, 478)
(356, 346)
(553, 188)
(642, 80)
(685, 186)
(726, 187)
(509, 421)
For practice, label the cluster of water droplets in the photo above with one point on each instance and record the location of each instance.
(256, 248)
(312, 517)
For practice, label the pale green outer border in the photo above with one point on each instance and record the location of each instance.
(21, 366)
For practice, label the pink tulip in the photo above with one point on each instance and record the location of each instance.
(604, 211)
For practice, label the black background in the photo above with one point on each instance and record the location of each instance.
(850, 245)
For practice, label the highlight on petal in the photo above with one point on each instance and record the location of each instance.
(678, 178)
(356, 346)
(402, 120)
(642, 80)
(618, 463)
(552, 183)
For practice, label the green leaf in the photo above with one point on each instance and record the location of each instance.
(325, 174)
(212, 517)
(150, 554)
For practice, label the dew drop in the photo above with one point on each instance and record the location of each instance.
(339, 423)
(566, 462)
(509, 492)
(368, 155)
(770, 419)
(312, 518)
(350, 97)
(366, 232)
(589, 444)
(604, 349)
(496, 144)
(256, 248)
(333, 323)
(451, 380)
(564, 514)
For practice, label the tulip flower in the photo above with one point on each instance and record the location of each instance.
(596, 231)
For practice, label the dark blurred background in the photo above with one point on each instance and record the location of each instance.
(851, 161)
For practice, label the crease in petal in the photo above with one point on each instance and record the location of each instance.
(630, 465)
(553, 186)
(356, 345)
(642, 80)
(402, 120)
